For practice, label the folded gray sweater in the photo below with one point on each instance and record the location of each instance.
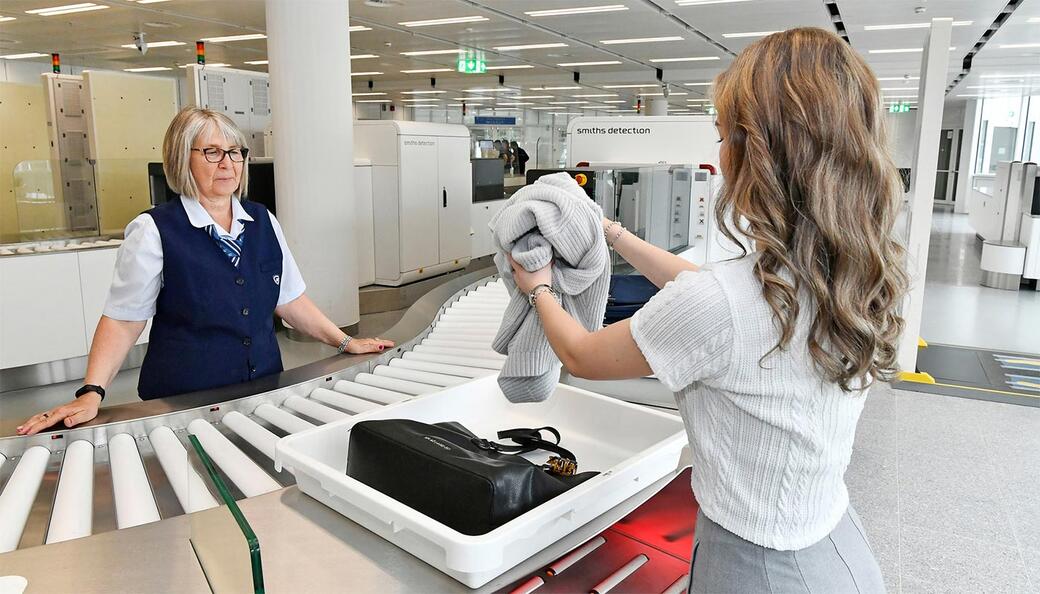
(550, 219)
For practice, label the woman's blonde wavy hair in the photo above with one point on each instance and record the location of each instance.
(809, 180)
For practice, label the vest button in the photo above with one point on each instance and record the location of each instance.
(240, 281)
(245, 311)
(247, 341)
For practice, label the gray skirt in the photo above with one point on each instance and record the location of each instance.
(842, 562)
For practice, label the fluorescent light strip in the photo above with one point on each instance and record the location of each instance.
(373, 101)
(4, 19)
(1019, 45)
(699, 84)
(363, 56)
(422, 100)
(423, 70)
(532, 97)
(256, 62)
(491, 90)
(582, 10)
(630, 86)
(151, 1)
(544, 108)
(23, 56)
(899, 88)
(595, 95)
(473, 99)
(906, 50)
(662, 94)
(449, 21)
(356, 28)
(602, 63)
(423, 92)
(704, 2)
(614, 101)
(214, 65)
(366, 94)
(748, 34)
(567, 102)
(513, 67)
(899, 96)
(156, 44)
(67, 9)
(998, 87)
(641, 40)
(432, 52)
(692, 59)
(149, 69)
(1010, 76)
(513, 48)
(553, 88)
(1033, 20)
(514, 104)
(365, 73)
(424, 105)
(247, 37)
(564, 113)
(698, 100)
(902, 78)
(910, 26)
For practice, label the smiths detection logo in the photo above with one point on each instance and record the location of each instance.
(418, 143)
(437, 442)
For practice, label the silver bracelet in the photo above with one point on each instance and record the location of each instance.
(343, 344)
(606, 234)
(535, 292)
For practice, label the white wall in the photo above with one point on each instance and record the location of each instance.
(901, 131)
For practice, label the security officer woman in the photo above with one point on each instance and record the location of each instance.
(210, 271)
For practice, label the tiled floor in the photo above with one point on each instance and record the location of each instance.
(949, 491)
(960, 311)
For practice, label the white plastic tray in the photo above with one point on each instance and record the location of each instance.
(631, 446)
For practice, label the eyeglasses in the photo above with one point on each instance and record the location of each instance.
(216, 155)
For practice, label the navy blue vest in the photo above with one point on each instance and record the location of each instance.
(214, 323)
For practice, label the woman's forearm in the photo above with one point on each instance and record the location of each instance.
(303, 315)
(658, 265)
(113, 339)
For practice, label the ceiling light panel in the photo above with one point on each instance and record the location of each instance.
(578, 10)
(889, 78)
(149, 69)
(433, 52)
(373, 101)
(513, 48)
(4, 19)
(600, 63)
(422, 92)
(641, 40)
(690, 59)
(154, 44)
(448, 21)
(905, 50)
(704, 2)
(512, 67)
(257, 62)
(358, 28)
(367, 94)
(900, 26)
(67, 9)
(748, 34)
(226, 38)
(24, 56)
(360, 56)
(365, 73)
(630, 86)
(425, 70)
(594, 95)
(1019, 45)
(554, 88)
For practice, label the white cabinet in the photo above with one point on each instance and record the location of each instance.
(421, 196)
(41, 310)
(482, 243)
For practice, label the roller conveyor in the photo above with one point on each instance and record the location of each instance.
(138, 471)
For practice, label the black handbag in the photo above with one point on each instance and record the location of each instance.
(446, 472)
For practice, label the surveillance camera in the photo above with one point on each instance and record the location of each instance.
(665, 91)
(140, 43)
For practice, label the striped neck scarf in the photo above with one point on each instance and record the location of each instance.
(232, 248)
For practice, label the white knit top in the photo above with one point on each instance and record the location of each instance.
(770, 441)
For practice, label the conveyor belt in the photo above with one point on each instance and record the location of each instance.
(74, 483)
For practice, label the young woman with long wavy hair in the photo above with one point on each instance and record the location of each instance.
(771, 355)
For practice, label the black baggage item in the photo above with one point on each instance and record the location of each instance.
(449, 474)
(627, 294)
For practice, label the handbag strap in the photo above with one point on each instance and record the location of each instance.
(527, 440)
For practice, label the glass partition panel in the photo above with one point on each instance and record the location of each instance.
(226, 546)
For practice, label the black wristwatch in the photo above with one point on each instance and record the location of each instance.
(88, 388)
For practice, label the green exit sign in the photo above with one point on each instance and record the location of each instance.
(472, 62)
(901, 107)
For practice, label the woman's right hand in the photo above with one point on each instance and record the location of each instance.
(73, 413)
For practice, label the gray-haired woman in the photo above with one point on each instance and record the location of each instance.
(210, 271)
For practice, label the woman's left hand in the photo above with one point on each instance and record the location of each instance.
(527, 281)
(358, 346)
